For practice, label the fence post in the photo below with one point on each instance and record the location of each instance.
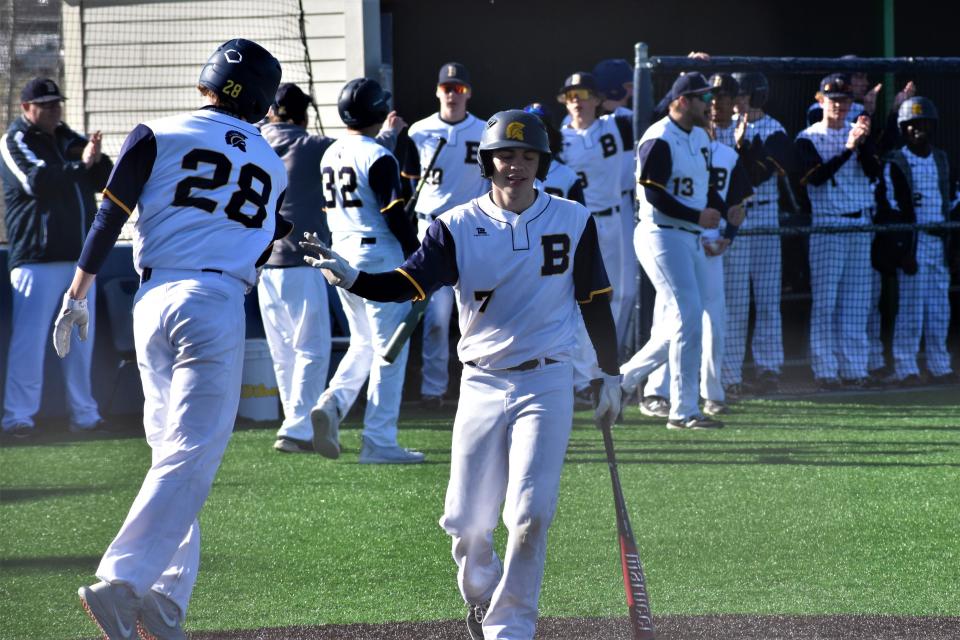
(642, 114)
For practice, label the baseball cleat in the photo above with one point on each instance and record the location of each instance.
(655, 407)
(767, 382)
(714, 407)
(326, 427)
(694, 422)
(21, 430)
(392, 454)
(431, 402)
(286, 444)
(160, 619)
(113, 607)
(475, 616)
(828, 384)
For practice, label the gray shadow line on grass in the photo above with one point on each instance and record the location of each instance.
(623, 459)
(24, 494)
(47, 563)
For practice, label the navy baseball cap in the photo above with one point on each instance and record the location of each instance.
(836, 85)
(454, 73)
(580, 80)
(611, 74)
(41, 90)
(724, 83)
(291, 102)
(689, 84)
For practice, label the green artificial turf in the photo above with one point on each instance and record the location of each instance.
(832, 505)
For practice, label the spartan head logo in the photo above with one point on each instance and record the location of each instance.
(916, 109)
(515, 131)
(233, 56)
(236, 139)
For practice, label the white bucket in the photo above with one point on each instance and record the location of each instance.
(259, 397)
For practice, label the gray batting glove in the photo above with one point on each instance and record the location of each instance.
(72, 312)
(608, 401)
(335, 269)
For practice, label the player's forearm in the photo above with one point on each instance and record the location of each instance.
(388, 286)
(598, 319)
(667, 205)
(80, 286)
(102, 236)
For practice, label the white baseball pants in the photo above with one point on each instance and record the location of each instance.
(924, 310)
(629, 269)
(676, 265)
(296, 321)
(37, 295)
(509, 440)
(189, 329)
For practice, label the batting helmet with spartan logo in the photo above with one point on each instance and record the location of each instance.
(916, 108)
(244, 75)
(514, 129)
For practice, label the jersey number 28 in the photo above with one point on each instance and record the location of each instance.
(246, 192)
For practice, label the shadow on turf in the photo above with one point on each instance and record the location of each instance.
(50, 563)
(25, 494)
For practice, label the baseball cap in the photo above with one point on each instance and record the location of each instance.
(611, 74)
(580, 80)
(724, 83)
(453, 73)
(291, 102)
(689, 84)
(836, 85)
(41, 90)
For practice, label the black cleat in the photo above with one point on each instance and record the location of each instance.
(475, 616)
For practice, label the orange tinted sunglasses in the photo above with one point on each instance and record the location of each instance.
(454, 88)
(580, 94)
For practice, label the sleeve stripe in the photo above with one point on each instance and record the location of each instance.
(651, 183)
(115, 200)
(400, 200)
(420, 294)
(594, 294)
(12, 164)
(780, 170)
(407, 175)
(803, 180)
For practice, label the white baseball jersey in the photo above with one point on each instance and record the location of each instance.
(927, 201)
(455, 177)
(687, 175)
(221, 195)
(723, 159)
(351, 202)
(628, 169)
(757, 133)
(560, 180)
(849, 189)
(516, 277)
(595, 154)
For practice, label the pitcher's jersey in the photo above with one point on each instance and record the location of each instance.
(688, 176)
(455, 177)
(562, 181)
(352, 203)
(207, 188)
(517, 278)
(596, 155)
(849, 189)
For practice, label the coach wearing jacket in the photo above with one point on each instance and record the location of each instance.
(50, 176)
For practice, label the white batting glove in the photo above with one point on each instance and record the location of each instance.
(336, 270)
(72, 312)
(608, 401)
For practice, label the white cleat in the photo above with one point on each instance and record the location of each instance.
(393, 454)
(326, 427)
(113, 607)
(160, 619)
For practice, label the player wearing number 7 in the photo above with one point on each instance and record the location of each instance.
(207, 189)
(519, 261)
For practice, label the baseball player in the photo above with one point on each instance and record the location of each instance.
(838, 166)
(729, 179)
(207, 188)
(916, 189)
(453, 180)
(361, 184)
(676, 204)
(561, 180)
(593, 147)
(754, 263)
(615, 85)
(519, 261)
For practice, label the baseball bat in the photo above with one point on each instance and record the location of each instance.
(411, 205)
(404, 330)
(634, 582)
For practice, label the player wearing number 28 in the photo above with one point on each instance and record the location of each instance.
(207, 189)
(518, 260)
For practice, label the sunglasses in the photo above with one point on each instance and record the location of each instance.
(455, 88)
(704, 97)
(579, 94)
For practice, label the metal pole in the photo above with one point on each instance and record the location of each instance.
(889, 89)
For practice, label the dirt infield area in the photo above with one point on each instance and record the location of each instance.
(724, 627)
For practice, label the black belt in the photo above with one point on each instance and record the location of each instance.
(148, 272)
(429, 217)
(523, 366)
(368, 241)
(757, 203)
(855, 214)
(606, 212)
(668, 226)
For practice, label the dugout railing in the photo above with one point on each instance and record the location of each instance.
(793, 84)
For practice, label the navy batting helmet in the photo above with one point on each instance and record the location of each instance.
(363, 102)
(755, 85)
(514, 129)
(917, 108)
(724, 83)
(244, 75)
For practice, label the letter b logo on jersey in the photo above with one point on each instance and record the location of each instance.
(556, 254)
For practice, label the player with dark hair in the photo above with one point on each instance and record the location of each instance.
(208, 189)
(453, 180)
(917, 189)
(519, 261)
(368, 226)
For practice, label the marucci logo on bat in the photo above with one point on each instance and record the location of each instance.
(636, 597)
